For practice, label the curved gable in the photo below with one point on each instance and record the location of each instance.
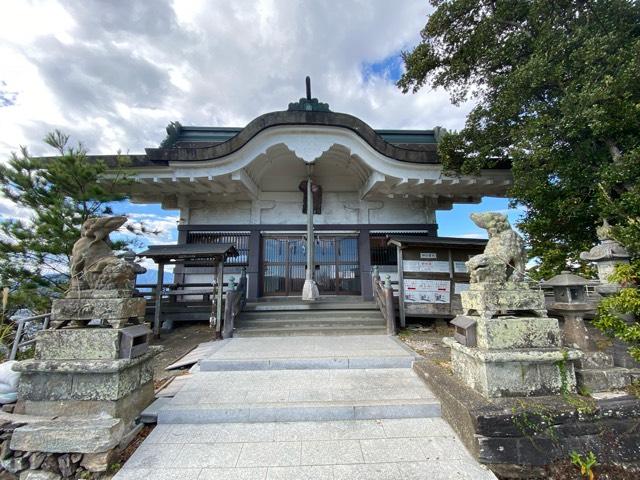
(425, 153)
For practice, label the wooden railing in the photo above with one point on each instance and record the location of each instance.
(18, 342)
(234, 303)
(383, 294)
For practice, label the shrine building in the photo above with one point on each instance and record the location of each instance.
(245, 186)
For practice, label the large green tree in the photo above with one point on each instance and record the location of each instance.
(56, 195)
(557, 91)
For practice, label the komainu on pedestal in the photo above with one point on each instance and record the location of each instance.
(505, 344)
(102, 284)
(92, 366)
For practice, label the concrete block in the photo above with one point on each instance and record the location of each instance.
(398, 449)
(381, 362)
(316, 472)
(208, 455)
(331, 452)
(70, 434)
(202, 415)
(270, 454)
(398, 410)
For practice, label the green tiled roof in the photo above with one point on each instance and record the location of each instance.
(222, 134)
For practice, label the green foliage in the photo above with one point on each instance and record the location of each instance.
(57, 195)
(534, 420)
(627, 303)
(585, 464)
(557, 86)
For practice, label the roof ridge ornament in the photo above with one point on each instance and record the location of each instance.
(308, 104)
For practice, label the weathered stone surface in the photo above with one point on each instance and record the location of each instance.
(46, 380)
(97, 462)
(50, 464)
(595, 360)
(66, 466)
(514, 373)
(115, 311)
(36, 459)
(487, 300)
(606, 379)
(515, 436)
(504, 257)
(78, 344)
(72, 434)
(127, 408)
(518, 332)
(39, 475)
(14, 464)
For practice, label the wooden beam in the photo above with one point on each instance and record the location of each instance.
(372, 183)
(220, 280)
(247, 182)
(158, 306)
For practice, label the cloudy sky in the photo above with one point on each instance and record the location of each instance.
(114, 73)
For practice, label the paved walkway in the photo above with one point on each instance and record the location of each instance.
(303, 408)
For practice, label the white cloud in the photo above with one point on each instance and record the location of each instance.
(115, 73)
(473, 235)
(9, 210)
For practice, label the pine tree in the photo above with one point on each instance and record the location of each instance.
(58, 193)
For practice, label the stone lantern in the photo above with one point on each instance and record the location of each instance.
(606, 255)
(570, 302)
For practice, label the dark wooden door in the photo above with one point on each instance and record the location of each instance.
(284, 264)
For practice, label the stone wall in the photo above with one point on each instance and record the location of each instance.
(518, 437)
(38, 465)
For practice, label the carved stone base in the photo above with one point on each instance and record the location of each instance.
(509, 332)
(514, 373)
(117, 312)
(121, 388)
(488, 300)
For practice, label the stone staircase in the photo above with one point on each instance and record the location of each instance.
(288, 316)
(310, 407)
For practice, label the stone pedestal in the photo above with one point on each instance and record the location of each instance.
(115, 307)
(79, 372)
(518, 348)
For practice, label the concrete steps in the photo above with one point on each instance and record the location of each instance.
(297, 330)
(292, 317)
(246, 396)
(299, 412)
(305, 363)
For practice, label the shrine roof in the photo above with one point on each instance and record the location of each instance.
(403, 241)
(192, 136)
(195, 251)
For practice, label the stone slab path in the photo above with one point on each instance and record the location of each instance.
(333, 408)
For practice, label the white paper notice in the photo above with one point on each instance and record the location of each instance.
(460, 287)
(427, 291)
(460, 267)
(431, 266)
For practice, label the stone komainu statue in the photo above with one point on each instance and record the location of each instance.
(504, 257)
(93, 264)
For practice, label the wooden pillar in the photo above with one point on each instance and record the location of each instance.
(158, 306)
(403, 322)
(390, 308)
(364, 257)
(220, 280)
(253, 269)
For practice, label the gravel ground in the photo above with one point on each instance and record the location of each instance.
(180, 341)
